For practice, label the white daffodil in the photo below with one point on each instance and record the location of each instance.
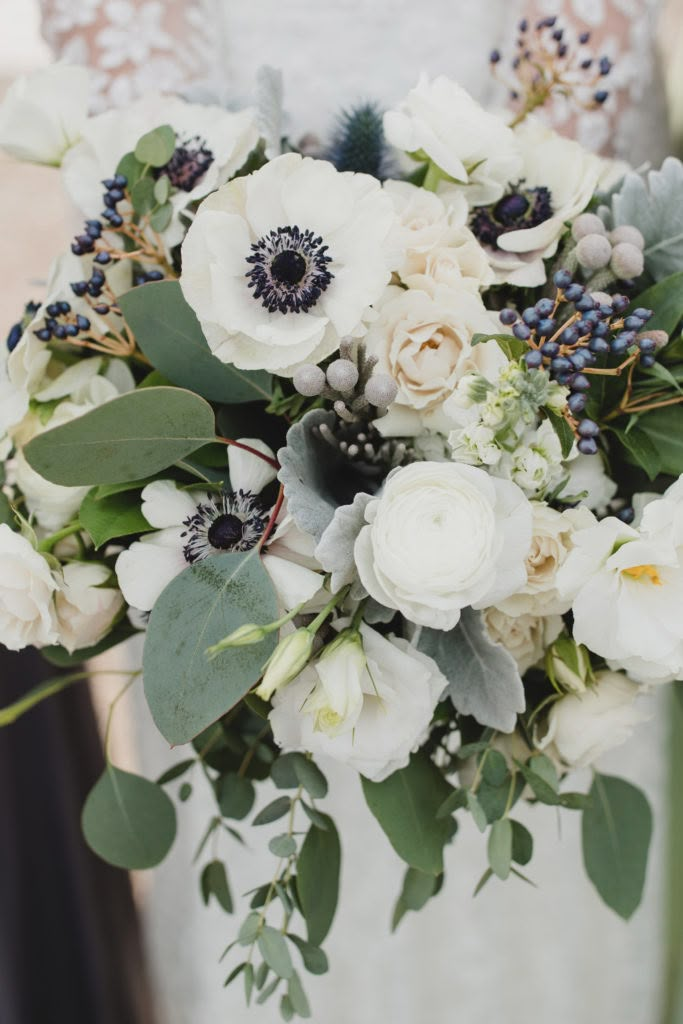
(193, 525)
(369, 710)
(44, 113)
(211, 145)
(281, 264)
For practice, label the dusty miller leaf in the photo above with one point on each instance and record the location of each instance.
(335, 548)
(655, 206)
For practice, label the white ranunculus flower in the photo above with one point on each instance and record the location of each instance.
(424, 342)
(583, 726)
(524, 227)
(44, 113)
(85, 609)
(525, 636)
(281, 264)
(626, 588)
(472, 146)
(551, 542)
(211, 145)
(193, 525)
(587, 476)
(441, 537)
(27, 588)
(400, 689)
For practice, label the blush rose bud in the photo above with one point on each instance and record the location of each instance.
(286, 662)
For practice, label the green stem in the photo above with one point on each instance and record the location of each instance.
(328, 609)
(9, 714)
(112, 706)
(49, 542)
(432, 178)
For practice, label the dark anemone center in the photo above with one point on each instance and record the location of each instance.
(520, 208)
(225, 531)
(188, 165)
(288, 267)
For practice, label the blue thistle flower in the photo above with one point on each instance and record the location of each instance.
(358, 143)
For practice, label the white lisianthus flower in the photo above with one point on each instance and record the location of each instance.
(626, 588)
(441, 537)
(337, 700)
(525, 636)
(582, 726)
(44, 113)
(524, 227)
(281, 264)
(193, 525)
(440, 121)
(400, 688)
(551, 542)
(588, 477)
(27, 588)
(85, 609)
(211, 145)
(424, 342)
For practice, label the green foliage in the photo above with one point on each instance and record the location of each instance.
(616, 828)
(512, 347)
(639, 449)
(128, 821)
(168, 332)
(313, 957)
(118, 515)
(156, 147)
(273, 811)
(6, 513)
(133, 436)
(417, 889)
(309, 474)
(214, 882)
(564, 433)
(654, 205)
(663, 430)
(318, 869)
(522, 843)
(185, 691)
(235, 795)
(406, 806)
(666, 299)
(275, 951)
(500, 848)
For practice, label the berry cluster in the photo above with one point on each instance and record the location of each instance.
(61, 323)
(92, 289)
(548, 63)
(568, 334)
(86, 242)
(16, 331)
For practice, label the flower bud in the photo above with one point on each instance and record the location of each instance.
(627, 233)
(288, 659)
(243, 636)
(593, 251)
(309, 380)
(381, 390)
(587, 224)
(342, 375)
(627, 260)
(568, 665)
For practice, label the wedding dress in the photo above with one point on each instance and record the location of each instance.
(515, 954)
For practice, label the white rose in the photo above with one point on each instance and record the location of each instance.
(85, 609)
(43, 114)
(280, 265)
(27, 588)
(424, 342)
(526, 637)
(400, 689)
(585, 725)
(551, 542)
(475, 148)
(423, 221)
(459, 263)
(587, 476)
(442, 537)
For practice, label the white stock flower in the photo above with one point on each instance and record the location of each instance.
(525, 636)
(193, 525)
(440, 121)
(551, 542)
(211, 146)
(424, 342)
(400, 688)
(583, 726)
(524, 227)
(536, 465)
(281, 264)
(44, 113)
(588, 477)
(27, 588)
(441, 537)
(85, 609)
(626, 587)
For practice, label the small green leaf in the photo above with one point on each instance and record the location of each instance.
(314, 958)
(162, 217)
(297, 996)
(273, 948)
(175, 771)
(318, 819)
(417, 889)
(156, 147)
(273, 811)
(185, 792)
(249, 929)
(477, 812)
(640, 448)
(6, 513)
(282, 846)
(564, 433)
(541, 789)
(500, 848)
(118, 515)
(318, 867)
(234, 974)
(488, 874)
(214, 882)
(248, 982)
(128, 821)
(666, 299)
(282, 771)
(543, 767)
(513, 347)
(142, 196)
(522, 843)
(131, 167)
(235, 795)
(453, 802)
(286, 1008)
(311, 778)
(162, 189)
(494, 768)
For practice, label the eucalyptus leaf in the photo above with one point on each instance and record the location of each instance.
(483, 677)
(175, 771)
(273, 811)
(640, 448)
(156, 147)
(162, 188)
(118, 515)
(564, 433)
(132, 436)
(311, 778)
(6, 513)
(185, 691)
(406, 806)
(500, 848)
(282, 846)
(318, 868)
(214, 882)
(128, 821)
(616, 830)
(512, 347)
(168, 332)
(314, 958)
(522, 843)
(162, 217)
(666, 300)
(663, 430)
(274, 950)
(235, 795)
(297, 996)
(417, 889)
(142, 196)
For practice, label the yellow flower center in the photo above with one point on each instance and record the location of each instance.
(643, 572)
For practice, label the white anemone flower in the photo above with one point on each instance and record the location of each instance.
(281, 264)
(211, 145)
(193, 525)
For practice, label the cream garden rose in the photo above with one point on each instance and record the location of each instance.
(27, 589)
(442, 537)
(85, 609)
(525, 636)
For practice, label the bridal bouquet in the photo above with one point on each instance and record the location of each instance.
(379, 443)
